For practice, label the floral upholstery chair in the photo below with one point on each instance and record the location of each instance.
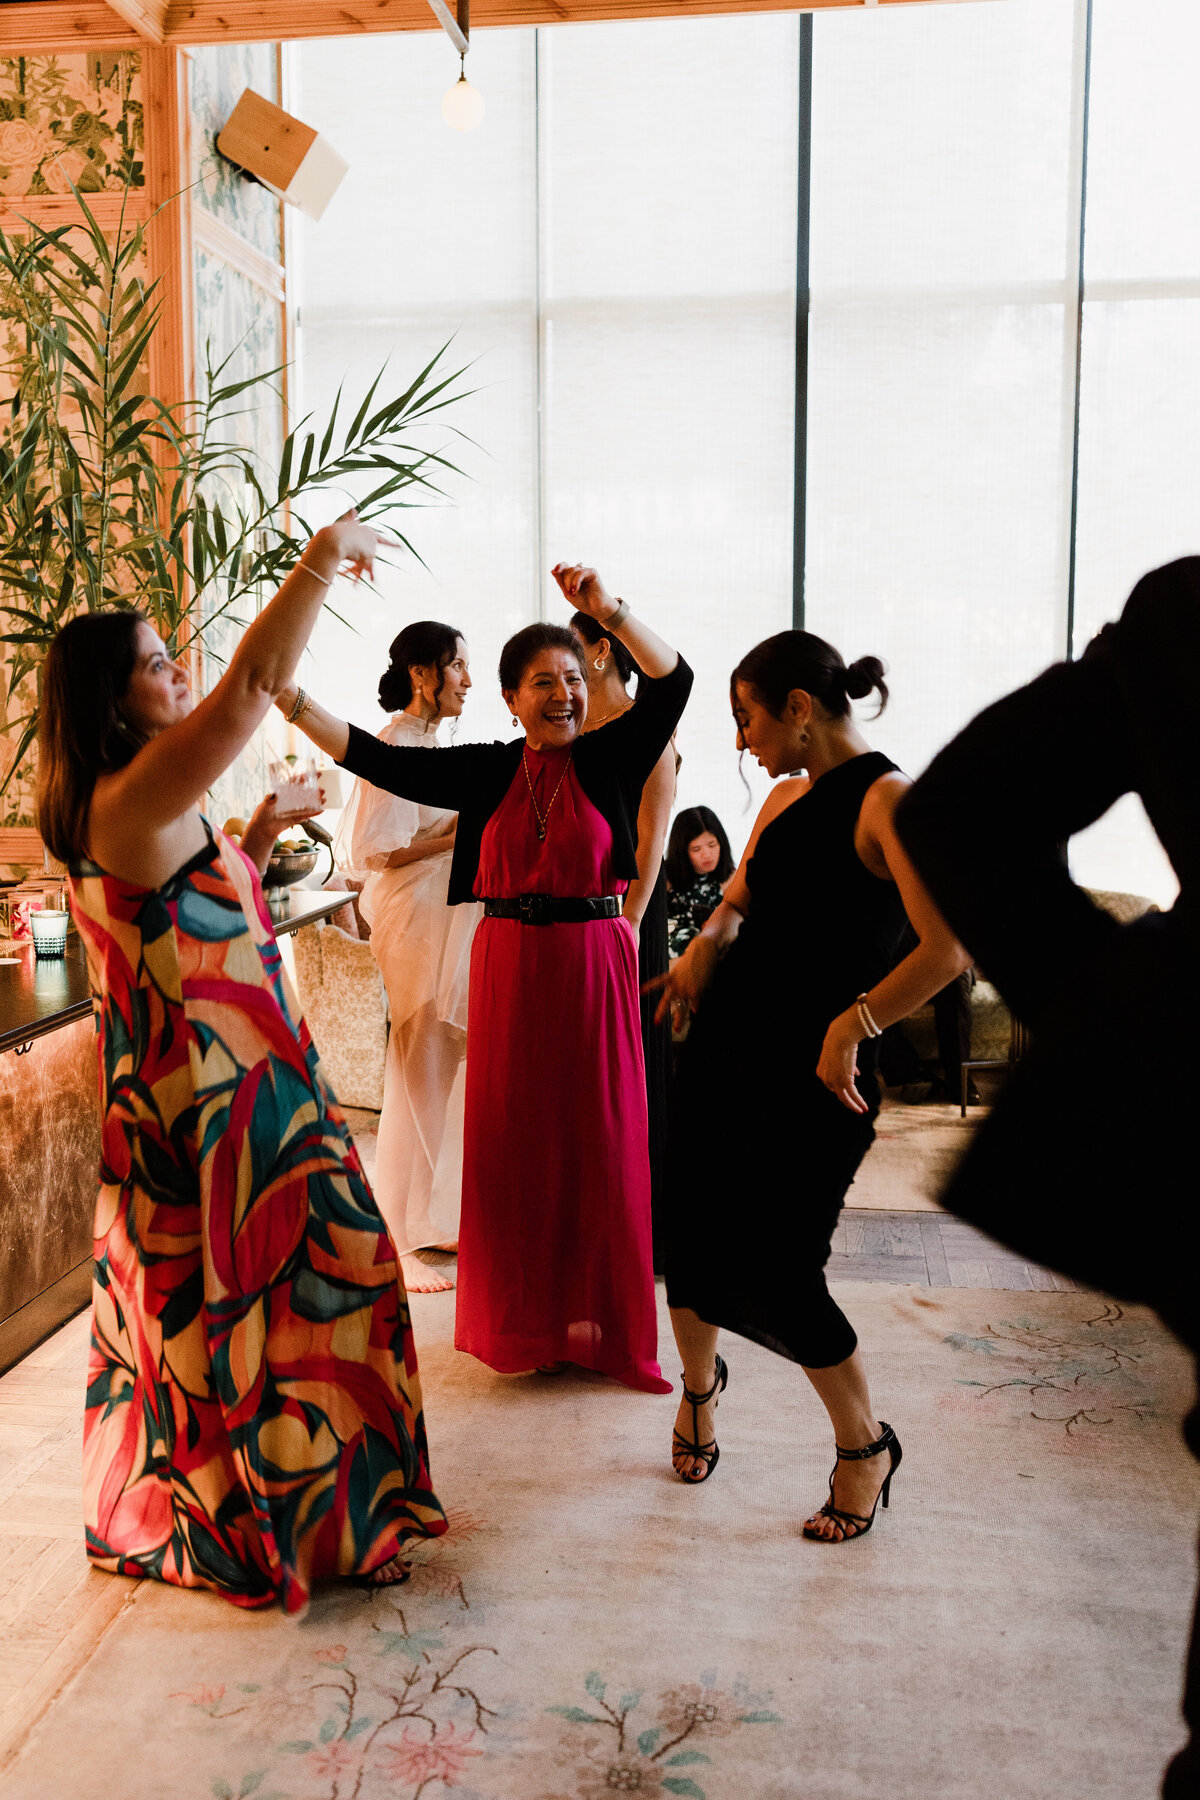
(344, 1000)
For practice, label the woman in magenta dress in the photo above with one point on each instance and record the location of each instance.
(554, 1245)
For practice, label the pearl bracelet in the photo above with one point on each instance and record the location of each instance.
(865, 1019)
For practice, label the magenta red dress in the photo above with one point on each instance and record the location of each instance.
(554, 1248)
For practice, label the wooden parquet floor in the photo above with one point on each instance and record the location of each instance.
(53, 1607)
(930, 1249)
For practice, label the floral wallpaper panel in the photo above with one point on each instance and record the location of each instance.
(238, 319)
(63, 119)
(67, 119)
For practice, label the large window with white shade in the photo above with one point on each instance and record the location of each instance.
(943, 258)
(615, 250)
(620, 274)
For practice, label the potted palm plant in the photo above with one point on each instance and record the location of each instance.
(110, 496)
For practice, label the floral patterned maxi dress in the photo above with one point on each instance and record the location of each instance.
(253, 1416)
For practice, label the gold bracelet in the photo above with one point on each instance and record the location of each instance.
(300, 705)
(309, 570)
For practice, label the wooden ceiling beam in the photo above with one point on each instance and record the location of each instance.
(45, 27)
(148, 17)
(48, 28)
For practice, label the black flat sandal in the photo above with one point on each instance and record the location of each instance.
(708, 1454)
(855, 1525)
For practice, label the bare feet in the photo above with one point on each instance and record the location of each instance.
(702, 1431)
(856, 1488)
(388, 1574)
(420, 1277)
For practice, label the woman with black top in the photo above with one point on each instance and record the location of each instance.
(698, 866)
(797, 955)
(554, 1245)
(609, 669)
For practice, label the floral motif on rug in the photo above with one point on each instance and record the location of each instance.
(653, 1747)
(1096, 1372)
(413, 1703)
(396, 1712)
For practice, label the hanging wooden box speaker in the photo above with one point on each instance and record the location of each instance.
(287, 156)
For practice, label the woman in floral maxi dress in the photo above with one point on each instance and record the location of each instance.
(253, 1418)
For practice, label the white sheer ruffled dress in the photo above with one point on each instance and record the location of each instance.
(423, 948)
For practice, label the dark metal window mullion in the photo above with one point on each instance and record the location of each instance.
(803, 225)
(1083, 182)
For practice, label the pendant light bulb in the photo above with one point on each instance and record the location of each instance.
(463, 106)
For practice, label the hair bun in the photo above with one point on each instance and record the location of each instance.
(864, 676)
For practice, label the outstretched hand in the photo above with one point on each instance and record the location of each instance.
(686, 981)
(584, 590)
(258, 839)
(356, 544)
(838, 1064)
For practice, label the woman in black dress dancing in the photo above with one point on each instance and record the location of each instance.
(798, 953)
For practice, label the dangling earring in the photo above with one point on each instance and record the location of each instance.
(515, 721)
(599, 665)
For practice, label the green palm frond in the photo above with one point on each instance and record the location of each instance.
(110, 496)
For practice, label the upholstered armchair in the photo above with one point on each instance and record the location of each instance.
(344, 1000)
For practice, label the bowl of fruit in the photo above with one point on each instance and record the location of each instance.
(292, 858)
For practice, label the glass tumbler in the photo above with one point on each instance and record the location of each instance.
(295, 786)
(49, 929)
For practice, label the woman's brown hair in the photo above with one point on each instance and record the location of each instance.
(81, 733)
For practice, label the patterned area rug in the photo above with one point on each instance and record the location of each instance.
(1014, 1624)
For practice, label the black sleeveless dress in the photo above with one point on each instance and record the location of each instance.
(653, 961)
(753, 1130)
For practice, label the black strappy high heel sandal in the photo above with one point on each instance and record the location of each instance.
(855, 1525)
(708, 1454)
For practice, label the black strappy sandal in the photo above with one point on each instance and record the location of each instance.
(855, 1525)
(708, 1454)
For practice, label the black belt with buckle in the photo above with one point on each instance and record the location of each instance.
(549, 909)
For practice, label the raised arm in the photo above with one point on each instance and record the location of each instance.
(637, 739)
(142, 814)
(446, 776)
(327, 731)
(583, 588)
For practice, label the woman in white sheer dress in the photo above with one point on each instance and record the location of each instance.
(423, 948)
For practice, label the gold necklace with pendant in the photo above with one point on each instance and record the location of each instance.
(542, 816)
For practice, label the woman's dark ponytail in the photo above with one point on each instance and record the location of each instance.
(864, 676)
(427, 643)
(798, 659)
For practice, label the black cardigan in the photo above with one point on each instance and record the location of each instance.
(612, 767)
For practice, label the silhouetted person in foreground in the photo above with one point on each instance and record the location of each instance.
(1079, 1165)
